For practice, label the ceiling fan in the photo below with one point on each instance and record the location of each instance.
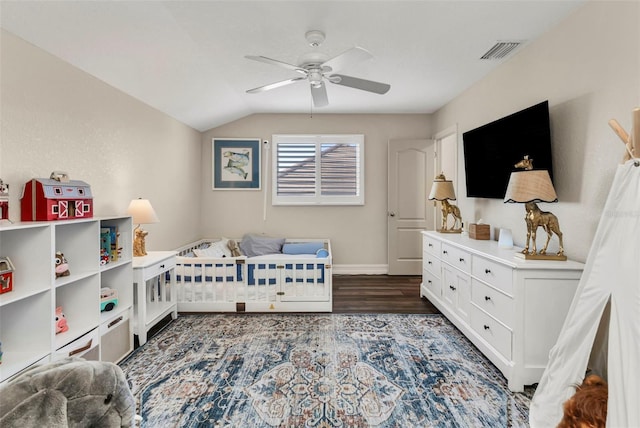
(316, 68)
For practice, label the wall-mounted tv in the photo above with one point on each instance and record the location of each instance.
(491, 150)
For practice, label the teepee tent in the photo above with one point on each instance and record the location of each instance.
(604, 319)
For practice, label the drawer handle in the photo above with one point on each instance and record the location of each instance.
(430, 244)
(444, 252)
(84, 348)
(114, 322)
(487, 271)
(487, 298)
(161, 266)
(429, 281)
(461, 259)
(452, 287)
(429, 262)
(486, 327)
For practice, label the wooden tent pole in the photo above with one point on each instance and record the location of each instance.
(626, 139)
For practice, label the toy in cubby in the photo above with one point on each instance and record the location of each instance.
(6, 275)
(108, 299)
(4, 200)
(62, 266)
(61, 321)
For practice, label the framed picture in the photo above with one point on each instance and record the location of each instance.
(236, 163)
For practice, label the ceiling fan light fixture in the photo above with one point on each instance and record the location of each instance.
(315, 77)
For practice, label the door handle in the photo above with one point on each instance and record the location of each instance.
(392, 214)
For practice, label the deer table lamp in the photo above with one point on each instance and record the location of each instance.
(141, 212)
(530, 186)
(442, 190)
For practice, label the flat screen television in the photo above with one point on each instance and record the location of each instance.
(491, 151)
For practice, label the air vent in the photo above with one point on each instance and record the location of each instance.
(501, 50)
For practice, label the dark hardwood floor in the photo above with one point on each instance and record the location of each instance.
(379, 294)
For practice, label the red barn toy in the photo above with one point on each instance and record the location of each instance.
(56, 198)
(6, 275)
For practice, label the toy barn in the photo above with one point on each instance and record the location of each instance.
(56, 198)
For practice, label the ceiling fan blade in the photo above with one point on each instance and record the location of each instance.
(276, 62)
(347, 58)
(274, 85)
(319, 95)
(357, 83)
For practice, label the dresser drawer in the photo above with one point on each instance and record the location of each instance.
(159, 267)
(495, 274)
(497, 335)
(115, 338)
(456, 257)
(431, 263)
(432, 282)
(78, 347)
(493, 302)
(431, 245)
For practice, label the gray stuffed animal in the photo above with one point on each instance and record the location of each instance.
(68, 393)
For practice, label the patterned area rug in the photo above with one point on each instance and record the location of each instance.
(327, 370)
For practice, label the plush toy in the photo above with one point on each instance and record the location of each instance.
(233, 246)
(68, 393)
(62, 267)
(61, 321)
(587, 408)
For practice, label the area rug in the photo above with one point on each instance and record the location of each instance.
(327, 370)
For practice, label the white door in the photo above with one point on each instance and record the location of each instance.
(410, 174)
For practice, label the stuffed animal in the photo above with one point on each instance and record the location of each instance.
(62, 267)
(233, 246)
(61, 321)
(68, 393)
(587, 408)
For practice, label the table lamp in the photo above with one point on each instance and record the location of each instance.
(531, 186)
(442, 190)
(141, 212)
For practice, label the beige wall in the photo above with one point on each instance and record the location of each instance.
(358, 233)
(56, 117)
(589, 70)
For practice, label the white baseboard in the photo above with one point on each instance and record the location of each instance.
(360, 269)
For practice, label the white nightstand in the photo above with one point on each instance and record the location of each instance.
(157, 297)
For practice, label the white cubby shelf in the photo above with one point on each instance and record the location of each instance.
(27, 312)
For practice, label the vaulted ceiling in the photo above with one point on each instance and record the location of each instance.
(187, 58)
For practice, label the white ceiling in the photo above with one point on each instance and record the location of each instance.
(186, 58)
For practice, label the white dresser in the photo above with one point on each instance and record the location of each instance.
(510, 308)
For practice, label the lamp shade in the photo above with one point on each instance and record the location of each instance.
(442, 189)
(142, 212)
(530, 186)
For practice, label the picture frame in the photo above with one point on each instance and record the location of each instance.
(236, 163)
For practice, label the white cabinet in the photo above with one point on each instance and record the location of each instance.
(511, 309)
(155, 290)
(27, 313)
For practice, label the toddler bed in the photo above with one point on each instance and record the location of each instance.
(291, 276)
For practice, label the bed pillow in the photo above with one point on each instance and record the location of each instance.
(322, 253)
(255, 245)
(302, 247)
(218, 249)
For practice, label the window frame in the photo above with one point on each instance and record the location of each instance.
(318, 199)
